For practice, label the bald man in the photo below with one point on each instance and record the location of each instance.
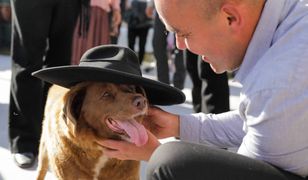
(266, 42)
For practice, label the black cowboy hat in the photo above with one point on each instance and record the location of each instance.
(115, 64)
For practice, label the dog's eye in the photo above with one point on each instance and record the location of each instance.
(128, 88)
(106, 94)
(131, 89)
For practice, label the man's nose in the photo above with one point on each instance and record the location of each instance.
(180, 42)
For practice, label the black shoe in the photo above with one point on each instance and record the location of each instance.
(24, 160)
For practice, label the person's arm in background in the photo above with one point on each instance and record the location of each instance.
(116, 16)
(5, 12)
(150, 9)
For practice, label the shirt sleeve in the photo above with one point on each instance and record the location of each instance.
(223, 130)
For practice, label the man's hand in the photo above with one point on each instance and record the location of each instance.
(149, 12)
(124, 150)
(161, 123)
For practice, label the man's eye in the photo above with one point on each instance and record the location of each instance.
(183, 35)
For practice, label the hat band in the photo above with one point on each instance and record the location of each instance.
(114, 65)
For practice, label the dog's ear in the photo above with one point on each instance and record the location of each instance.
(72, 107)
(139, 89)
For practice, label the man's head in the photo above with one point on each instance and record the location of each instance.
(218, 30)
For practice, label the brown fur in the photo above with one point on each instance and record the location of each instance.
(75, 118)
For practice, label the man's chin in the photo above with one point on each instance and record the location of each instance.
(217, 70)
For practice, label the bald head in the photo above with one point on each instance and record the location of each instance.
(218, 30)
(207, 8)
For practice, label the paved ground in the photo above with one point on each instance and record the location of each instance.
(9, 171)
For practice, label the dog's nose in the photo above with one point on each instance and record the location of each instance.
(139, 102)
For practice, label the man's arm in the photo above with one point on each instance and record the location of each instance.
(220, 130)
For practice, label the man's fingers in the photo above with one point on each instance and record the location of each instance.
(111, 153)
(114, 149)
(153, 109)
(110, 144)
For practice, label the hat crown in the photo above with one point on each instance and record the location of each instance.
(113, 64)
(112, 57)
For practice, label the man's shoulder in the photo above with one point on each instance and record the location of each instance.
(278, 69)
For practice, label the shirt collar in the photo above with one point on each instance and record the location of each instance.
(262, 37)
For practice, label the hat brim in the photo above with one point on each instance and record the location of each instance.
(67, 76)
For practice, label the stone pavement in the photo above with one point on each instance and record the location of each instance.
(9, 171)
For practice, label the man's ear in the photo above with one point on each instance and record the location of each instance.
(72, 108)
(233, 16)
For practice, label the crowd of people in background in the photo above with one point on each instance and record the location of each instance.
(5, 26)
(264, 42)
(61, 33)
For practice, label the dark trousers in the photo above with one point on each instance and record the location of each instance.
(42, 35)
(215, 90)
(210, 91)
(161, 56)
(183, 161)
(142, 34)
(191, 61)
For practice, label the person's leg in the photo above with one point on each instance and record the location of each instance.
(131, 38)
(180, 70)
(143, 34)
(183, 161)
(191, 61)
(160, 50)
(30, 28)
(29, 45)
(60, 36)
(215, 90)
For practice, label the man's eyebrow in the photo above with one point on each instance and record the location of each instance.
(170, 28)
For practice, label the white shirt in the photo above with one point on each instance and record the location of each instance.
(271, 123)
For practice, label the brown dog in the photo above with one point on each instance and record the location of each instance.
(75, 118)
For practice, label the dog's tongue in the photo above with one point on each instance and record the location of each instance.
(137, 133)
